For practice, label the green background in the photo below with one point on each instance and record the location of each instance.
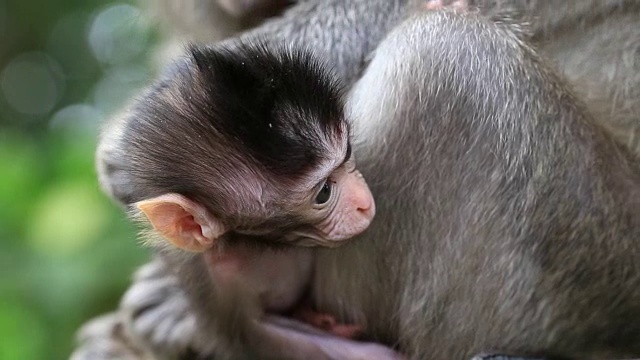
(66, 252)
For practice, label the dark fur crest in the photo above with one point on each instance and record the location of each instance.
(226, 118)
(278, 104)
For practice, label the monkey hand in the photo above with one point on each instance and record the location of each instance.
(326, 322)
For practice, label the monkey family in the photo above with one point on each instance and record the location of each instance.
(506, 215)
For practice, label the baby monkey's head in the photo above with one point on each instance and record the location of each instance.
(251, 140)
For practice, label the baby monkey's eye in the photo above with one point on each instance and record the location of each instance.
(325, 193)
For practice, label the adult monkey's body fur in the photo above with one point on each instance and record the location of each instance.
(519, 225)
(447, 327)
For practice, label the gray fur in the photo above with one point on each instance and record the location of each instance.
(596, 44)
(511, 274)
(515, 205)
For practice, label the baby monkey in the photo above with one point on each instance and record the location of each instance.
(240, 153)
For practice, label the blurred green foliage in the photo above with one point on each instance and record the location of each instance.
(66, 252)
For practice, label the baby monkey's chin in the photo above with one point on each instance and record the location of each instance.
(342, 235)
(338, 237)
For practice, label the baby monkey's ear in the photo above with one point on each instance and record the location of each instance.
(185, 223)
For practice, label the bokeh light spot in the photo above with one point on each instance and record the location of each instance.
(118, 34)
(77, 119)
(32, 83)
(67, 42)
(118, 86)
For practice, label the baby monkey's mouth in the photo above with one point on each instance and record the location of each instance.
(300, 236)
(261, 242)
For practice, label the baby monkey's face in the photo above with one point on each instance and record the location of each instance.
(329, 206)
(256, 143)
(326, 205)
(338, 207)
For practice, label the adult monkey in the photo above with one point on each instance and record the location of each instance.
(385, 328)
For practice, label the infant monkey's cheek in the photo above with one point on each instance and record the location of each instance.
(347, 225)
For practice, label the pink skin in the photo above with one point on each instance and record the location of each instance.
(459, 5)
(328, 323)
(354, 211)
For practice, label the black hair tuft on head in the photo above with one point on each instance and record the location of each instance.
(230, 107)
(279, 103)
